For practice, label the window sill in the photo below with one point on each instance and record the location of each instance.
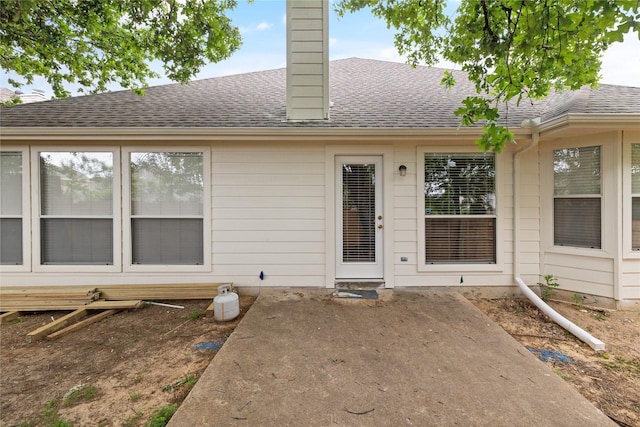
(157, 268)
(457, 268)
(569, 250)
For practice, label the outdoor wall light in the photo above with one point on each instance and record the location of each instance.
(403, 170)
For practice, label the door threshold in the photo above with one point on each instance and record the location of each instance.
(359, 294)
(352, 284)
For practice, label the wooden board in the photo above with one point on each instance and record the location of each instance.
(9, 316)
(56, 325)
(161, 291)
(41, 298)
(45, 298)
(81, 324)
(109, 305)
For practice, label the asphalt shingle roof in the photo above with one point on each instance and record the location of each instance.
(364, 93)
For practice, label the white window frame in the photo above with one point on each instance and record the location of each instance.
(608, 191)
(420, 214)
(627, 203)
(579, 196)
(37, 209)
(127, 252)
(26, 212)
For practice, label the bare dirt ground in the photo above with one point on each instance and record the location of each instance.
(609, 379)
(122, 370)
(124, 367)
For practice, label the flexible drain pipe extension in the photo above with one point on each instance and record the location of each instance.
(583, 335)
(594, 343)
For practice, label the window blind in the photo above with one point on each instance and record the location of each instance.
(11, 208)
(459, 184)
(635, 197)
(577, 199)
(167, 241)
(76, 203)
(460, 240)
(76, 241)
(10, 183)
(460, 207)
(167, 208)
(358, 213)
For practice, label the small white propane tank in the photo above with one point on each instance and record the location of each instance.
(226, 305)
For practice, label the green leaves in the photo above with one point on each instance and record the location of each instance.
(95, 43)
(511, 49)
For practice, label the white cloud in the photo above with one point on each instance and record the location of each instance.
(284, 19)
(264, 25)
(621, 62)
(333, 41)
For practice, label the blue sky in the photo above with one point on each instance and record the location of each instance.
(262, 25)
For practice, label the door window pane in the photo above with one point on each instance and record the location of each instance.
(358, 213)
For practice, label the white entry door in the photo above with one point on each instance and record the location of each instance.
(359, 220)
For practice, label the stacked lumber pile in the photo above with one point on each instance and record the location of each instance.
(42, 298)
(105, 301)
(170, 291)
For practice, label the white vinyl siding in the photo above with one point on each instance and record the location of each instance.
(460, 208)
(635, 197)
(577, 197)
(11, 208)
(269, 214)
(76, 208)
(307, 60)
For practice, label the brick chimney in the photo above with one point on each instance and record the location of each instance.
(307, 60)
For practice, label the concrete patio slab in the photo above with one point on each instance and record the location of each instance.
(423, 358)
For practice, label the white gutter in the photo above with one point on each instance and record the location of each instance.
(233, 134)
(584, 336)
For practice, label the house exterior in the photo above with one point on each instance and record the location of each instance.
(320, 173)
(26, 98)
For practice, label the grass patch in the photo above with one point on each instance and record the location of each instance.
(562, 374)
(189, 381)
(196, 314)
(48, 417)
(79, 393)
(132, 421)
(621, 364)
(161, 416)
(135, 396)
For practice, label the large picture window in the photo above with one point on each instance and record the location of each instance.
(76, 208)
(11, 215)
(577, 201)
(635, 197)
(167, 208)
(460, 208)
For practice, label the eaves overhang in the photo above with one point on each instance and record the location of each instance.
(239, 134)
(578, 124)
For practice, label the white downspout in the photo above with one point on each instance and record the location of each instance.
(594, 343)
